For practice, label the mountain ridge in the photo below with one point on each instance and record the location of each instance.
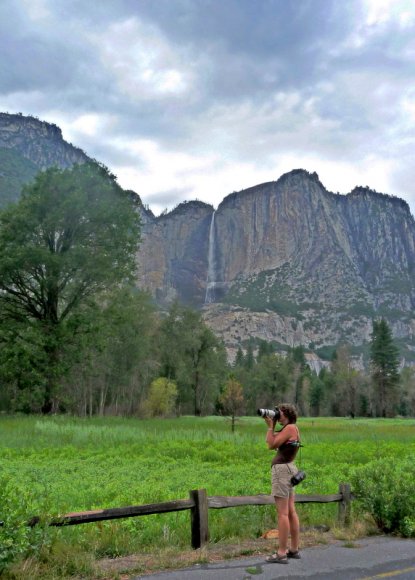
(285, 261)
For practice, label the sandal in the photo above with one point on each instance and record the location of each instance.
(276, 559)
(296, 555)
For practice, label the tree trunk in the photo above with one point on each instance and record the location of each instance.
(103, 397)
(51, 387)
(198, 410)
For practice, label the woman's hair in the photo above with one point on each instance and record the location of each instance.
(289, 411)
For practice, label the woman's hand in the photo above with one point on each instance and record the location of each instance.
(270, 422)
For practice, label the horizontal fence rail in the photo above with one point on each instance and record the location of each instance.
(76, 518)
(220, 502)
(199, 504)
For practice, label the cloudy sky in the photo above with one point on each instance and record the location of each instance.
(194, 99)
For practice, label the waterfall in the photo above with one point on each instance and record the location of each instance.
(211, 274)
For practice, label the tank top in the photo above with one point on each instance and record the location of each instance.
(287, 452)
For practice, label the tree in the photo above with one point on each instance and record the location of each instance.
(193, 356)
(300, 376)
(118, 358)
(161, 398)
(346, 379)
(72, 236)
(249, 360)
(384, 359)
(264, 349)
(271, 379)
(316, 395)
(231, 400)
(407, 392)
(239, 358)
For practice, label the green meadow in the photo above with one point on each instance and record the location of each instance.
(52, 466)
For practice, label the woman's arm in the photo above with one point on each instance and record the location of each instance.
(275, 440)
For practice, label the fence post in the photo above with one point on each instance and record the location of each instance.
(345, 504)
(199, 518)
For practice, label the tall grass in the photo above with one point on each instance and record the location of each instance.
(82, 464)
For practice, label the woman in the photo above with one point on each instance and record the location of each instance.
(287, 443)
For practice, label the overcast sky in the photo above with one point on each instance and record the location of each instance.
(194, 99)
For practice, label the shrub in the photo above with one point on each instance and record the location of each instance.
(386, 489)
(161, 398)
(17, 539)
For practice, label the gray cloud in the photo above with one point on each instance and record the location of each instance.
(171, 93)
(168, 198)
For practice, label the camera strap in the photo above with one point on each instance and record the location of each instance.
(300, 445)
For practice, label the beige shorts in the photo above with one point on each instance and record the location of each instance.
(281, 475)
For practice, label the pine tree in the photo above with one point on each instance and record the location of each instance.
(384, 358)
(239, 359)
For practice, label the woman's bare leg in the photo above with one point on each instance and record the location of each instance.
(294, 524)
(281, 504)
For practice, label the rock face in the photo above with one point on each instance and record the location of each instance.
(38, 141)
(174, 252)
(27, 146)
(288, 261)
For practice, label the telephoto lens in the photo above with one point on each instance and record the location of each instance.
(266, 413)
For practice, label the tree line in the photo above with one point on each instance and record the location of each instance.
(77, 336)
(381, 389)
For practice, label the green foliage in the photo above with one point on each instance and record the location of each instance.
(191, 355)
(271, 379)
(231, 401)
(268, 290)
(114, 462)
(249, 360)
(298, 355)
(16, 171)
(264, 348)
(118, 357)
(239, 359)
(386, 490)
(161, 398)
(326, 352)
(72, 236)
(384, 358)
(316, 395)
(17, 507)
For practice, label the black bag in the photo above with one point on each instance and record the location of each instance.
(298, 477)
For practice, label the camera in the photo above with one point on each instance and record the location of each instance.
(272, 414)
(298, 477)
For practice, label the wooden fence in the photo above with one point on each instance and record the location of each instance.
(199, 504)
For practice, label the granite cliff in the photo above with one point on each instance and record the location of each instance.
(28, 145)
(288, 261)
(285, 261)
(40, 142)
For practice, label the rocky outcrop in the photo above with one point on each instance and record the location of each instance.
(40, 142)
(285, 261)
(291, 262)
(173, 253)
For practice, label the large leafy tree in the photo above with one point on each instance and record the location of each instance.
(71, 237)
(384, 358)
(346, 383)
(271, 379)
(118, 356)
(193, 357)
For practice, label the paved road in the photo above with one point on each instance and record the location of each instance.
(371, 559)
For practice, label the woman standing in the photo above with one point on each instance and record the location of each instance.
(286, 442)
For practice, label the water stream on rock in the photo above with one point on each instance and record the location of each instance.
(211, 274)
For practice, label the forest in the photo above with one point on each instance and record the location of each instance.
(78, 337)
